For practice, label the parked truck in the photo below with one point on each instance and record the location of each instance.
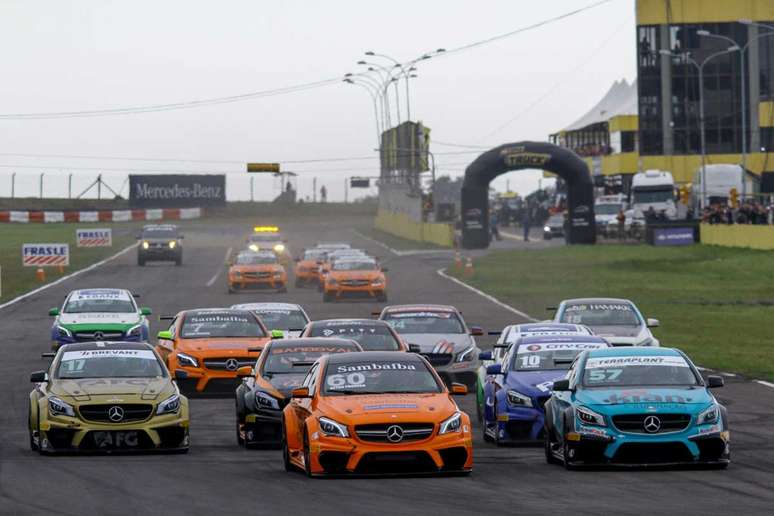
(653, 189)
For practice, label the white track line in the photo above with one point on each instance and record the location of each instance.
(410, 252)
(767, 384)
(442, 273)
(220, 270)
(67, 277)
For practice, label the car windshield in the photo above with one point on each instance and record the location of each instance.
(601, 314)
(556, 220)
(162, 233)
(256, 259)
(630, 371)
(607, 209)
(281, 319)
(205, 325)
(379, 377)
(314, 254)
(298, 359)
(100, 301)
(556, 354)
(265, 237)
(653, 196)
(371, 337)
(352, 265)
(425, 322)
(109, 363)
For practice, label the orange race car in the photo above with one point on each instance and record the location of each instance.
(257, 270)
(330, 257)
(375, 412)
(307, 269)
(204, 348)
(359, 276)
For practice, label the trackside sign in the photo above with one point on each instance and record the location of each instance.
(177, 191)
(102, 237)
(45, 255)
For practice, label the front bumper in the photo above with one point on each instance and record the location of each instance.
(438, 454)
(59, 340)
(520, 425)
(160, 253)
(366, 291)
(243, 283)
(263, 428)
(200, 381)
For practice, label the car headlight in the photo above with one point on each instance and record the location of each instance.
(377, 283)
(57, 407)
(63, 332)
(172, 244)
(589, 417)
(263, 400)
(518, 399)
(279, 248)
(277, 274)
(465, 355)
(333, 428)
(709, 416)
(237, 274)
(135, 331)
(170, 405)
(547, 229)
(453, 424)
(145, 245)
(253, 248)
(187, 360)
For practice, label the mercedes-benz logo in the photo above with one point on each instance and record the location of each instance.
(652, 424)
(115, 413)
(98, 335)
(232, 364)
(394, 434)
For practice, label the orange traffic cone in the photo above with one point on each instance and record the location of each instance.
(469, 267)
(457, 261)
(40, 274)
(61, 269)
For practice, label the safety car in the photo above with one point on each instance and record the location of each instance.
(160, 243)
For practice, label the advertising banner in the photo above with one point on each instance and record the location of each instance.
(102, 237)
(177, 191)
(673, 236)
(45, 255)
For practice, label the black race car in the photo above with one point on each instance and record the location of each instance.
(160, 243)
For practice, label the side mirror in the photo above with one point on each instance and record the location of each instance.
(385, 269)
(561, 385)
(180, 374)
(476, 331)
(414, 348)
(653, 323)
(713, 382)
(494, 369)
(244, 372)
(39, 377)
(165, 335)
(459, 388)
(551, 308)
(485, 355)
(48, 354)
(145, 310)
(300, 393)
(53, 312)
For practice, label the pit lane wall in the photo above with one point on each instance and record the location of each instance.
(47, 216)
(738, 235)
(400, 214)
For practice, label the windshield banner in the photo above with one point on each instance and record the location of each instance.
(666, 361)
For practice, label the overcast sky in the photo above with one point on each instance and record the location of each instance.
(63, 55)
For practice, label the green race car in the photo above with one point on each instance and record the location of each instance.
(106, 397)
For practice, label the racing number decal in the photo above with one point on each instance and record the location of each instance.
(530, 361)
(336, 381)
(600, 375)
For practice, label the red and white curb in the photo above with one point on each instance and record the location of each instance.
(25, 217)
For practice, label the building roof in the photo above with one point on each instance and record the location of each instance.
(620, 99)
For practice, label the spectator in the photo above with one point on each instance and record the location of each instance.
(621, 218)
(323, 194)
(525, 222)
(493, 222)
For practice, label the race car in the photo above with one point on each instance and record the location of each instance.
(332, 246)
(375, 412)
(257, 270)
(370, 334)
(508, 336)
(104, 314)
(516, 389)
(266, 388)
(439, 333)
(308, 267)
(106, 396)
(355, 277)
(636, 406)
(205, 347)
(160, 243)
(268, 238)
(288, 318)
(332, 256)
(618, 320)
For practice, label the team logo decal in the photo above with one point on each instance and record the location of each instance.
(232, 364)
(116, 414)
(652, 424)
(395, 434)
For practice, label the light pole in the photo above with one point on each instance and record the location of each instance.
(41, 184)
(381, 86)
(375, 102)
(700, 68)
(13, 184)
(404, 72)
(387, 79)
(743, 73)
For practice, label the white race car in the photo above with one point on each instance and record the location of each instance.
(617, 320)
(288, 318)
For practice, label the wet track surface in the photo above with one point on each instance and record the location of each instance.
(217, 476)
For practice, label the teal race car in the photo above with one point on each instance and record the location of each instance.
(635, 406)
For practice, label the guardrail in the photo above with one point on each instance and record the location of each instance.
(400, 224)
(41, 216)
(751, 236)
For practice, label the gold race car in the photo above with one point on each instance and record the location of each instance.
(268, 238)
(106, 397)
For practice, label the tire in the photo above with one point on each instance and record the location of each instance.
(283, 290)
(566, 455)
(33, 446)
(307, 455)
(140, 261)
(327, 298)
(298, 283)
(285, 451)
(382, 298)
(550, 459)
(179, 261)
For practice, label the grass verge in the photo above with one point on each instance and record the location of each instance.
(714, 303)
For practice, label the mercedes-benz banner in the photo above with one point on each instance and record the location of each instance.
(177, 191)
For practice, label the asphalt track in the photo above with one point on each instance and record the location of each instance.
(218, 477)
